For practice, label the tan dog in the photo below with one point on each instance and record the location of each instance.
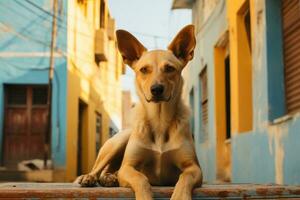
(158, 149)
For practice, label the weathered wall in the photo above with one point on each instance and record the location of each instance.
(207, 35)
(25, 33)
(97, 85)
(266, 149)
(268, 153)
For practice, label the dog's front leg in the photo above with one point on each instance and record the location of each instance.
(110, 150)
(128, 176)
(191, 177)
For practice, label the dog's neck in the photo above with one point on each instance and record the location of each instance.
(163, 112)
(160, 116)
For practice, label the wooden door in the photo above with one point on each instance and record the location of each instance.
(25, 123)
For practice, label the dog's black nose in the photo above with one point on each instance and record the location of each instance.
(157, 89)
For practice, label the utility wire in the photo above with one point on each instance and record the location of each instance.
(65, 55)
(43, 10)
(59, 25)
(65, 29)
(65, 14)
(58, 50)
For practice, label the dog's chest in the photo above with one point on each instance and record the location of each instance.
(158, 163)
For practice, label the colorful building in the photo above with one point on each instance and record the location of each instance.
(244, 89)
(86, 101)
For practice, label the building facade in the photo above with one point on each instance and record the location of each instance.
(86, 91)
(244, 86)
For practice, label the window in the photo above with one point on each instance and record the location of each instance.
(204, 103)
(227, 97)
(291, 49)
(102, 14)
(192, 106)
(98, 131)
(39, 95)
(275, 60)
(16, 95)
(247, 23)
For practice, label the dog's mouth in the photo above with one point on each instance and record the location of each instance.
(158, 99)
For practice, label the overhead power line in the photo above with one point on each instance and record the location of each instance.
(65, 14)
(45, 11)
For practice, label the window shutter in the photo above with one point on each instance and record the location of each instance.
(204, 102)
(291, 39)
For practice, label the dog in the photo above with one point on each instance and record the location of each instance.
(158, 149)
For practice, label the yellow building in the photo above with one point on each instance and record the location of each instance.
(94, 86)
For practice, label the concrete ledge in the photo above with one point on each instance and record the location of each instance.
(32, 176)
(68, 190)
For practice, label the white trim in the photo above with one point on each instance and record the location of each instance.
(282, 119)
(28, 54)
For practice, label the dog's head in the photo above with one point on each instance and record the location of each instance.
(158, 72)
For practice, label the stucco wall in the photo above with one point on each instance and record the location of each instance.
(25, 33)
(268, 152)
(97, 85)
(207, 35)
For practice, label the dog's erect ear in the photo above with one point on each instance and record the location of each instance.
(184, 43)
(130, 48)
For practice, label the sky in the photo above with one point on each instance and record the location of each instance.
(152, 22)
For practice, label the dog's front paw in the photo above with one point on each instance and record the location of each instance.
(181, 194)
(87, 180)
(109, 180)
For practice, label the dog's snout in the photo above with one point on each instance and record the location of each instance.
(157, 89)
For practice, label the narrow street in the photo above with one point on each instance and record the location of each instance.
(69, 83)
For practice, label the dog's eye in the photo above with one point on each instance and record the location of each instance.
(169, 69)
(144, 70)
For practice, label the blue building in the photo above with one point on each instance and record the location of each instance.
(25, 52)
(80, 120)
(244, 87)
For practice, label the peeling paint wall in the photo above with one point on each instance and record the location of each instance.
(208, 33)
(269, 151)
(270, 156)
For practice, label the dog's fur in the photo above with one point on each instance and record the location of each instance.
(158, 149)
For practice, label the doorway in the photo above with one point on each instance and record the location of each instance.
(82, 109)
(223, 109)
(25, 123)
(227, 97)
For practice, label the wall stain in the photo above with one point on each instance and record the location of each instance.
(276, 147)
(259, 29)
